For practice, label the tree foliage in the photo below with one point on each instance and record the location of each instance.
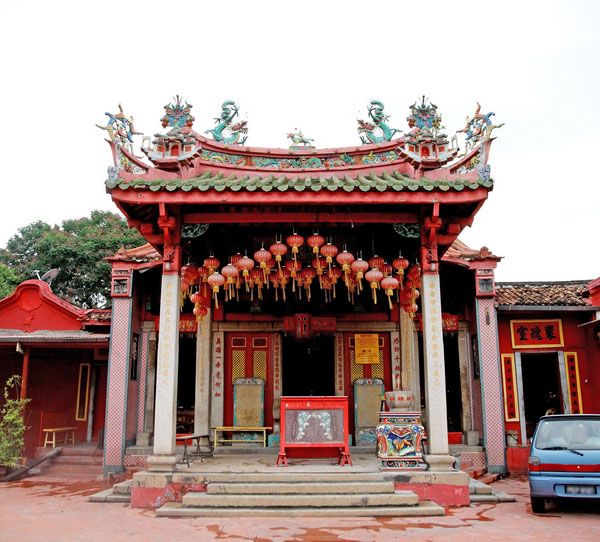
(77, 249)
(9, 280)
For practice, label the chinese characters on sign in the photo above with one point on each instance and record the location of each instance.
(536, 333)
(218, 365)
(573, 382)
(276, 365)
(511, 408)
(366, 348)
(339, 364)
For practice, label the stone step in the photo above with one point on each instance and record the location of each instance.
(123, 488)
(478, 487)
(77, 460)
(204, 500)
(296, 488)
(81, 450)
(73, 469)
(273, 477)
(422, 509)
(108, 495)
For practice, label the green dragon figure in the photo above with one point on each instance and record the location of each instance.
(377, 131)
(225, 132)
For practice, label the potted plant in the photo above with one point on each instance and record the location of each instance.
(12, 424)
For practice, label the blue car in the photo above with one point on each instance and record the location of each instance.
(564, 461)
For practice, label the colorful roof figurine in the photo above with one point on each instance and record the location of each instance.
(299, 141)
(377, 130)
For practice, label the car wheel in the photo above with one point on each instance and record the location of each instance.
(538, 505)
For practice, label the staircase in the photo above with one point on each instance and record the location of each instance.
(76, 461)
(300, 494)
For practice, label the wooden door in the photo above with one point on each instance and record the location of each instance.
(248, 355)
(353, 370)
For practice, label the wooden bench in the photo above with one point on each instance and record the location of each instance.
(51, 435)
(240, 429)
(198, 452)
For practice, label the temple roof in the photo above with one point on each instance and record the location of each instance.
(566, 293)
(142, 254)
(458, 250)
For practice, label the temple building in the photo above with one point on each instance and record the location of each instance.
(275, 262)
(334, 275)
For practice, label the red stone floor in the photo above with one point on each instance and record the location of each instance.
(49, 510)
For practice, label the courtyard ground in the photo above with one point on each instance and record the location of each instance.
(53, 509)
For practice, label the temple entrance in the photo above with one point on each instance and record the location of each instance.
(541, 387)
(186, 384)
(308, 366)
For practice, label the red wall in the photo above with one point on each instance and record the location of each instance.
(577, 339)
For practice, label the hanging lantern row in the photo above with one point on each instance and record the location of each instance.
(269, 269)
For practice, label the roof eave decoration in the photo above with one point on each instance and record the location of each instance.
(422, 159)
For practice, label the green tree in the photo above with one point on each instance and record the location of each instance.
(77, 249)
(9, 280)
(12, 425)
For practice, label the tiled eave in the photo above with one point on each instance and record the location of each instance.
(384, 182)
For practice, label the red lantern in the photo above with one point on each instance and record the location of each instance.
(257, 277)
(236, 258)
(345, 259)
(376, 262)
(278, 250)
(231, 273)
(389, 284)
(387, 269)
(215, 281)
(295, 241)
(190, 273)
(212, 264)
(262, 256)
(306, 276)
(315, 241)
(245, 265)
(359, 267)
(200, 311)
(374, 277)
(400, 264)
(293, 266)
(203, 273)
(196, 298)
(329, 251)
(412, 309)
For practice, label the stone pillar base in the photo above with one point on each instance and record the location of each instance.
(471, 438)
(163, 463)
(143, 438)
(439, 462)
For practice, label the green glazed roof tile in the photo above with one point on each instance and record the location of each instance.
(385, 181)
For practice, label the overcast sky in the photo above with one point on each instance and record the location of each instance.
(315, 66)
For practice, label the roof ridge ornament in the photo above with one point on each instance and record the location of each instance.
(299, 139)
(177, 115)
(378, 130)
(478, 127)
(225, 131)
(120, 130)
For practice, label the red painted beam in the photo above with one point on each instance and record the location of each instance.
(298, 217)
(292, 197)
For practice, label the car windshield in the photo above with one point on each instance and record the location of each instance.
(569, 433)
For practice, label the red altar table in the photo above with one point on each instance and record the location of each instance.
(314, 427)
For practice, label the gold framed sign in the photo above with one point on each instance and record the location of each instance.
(366, 348)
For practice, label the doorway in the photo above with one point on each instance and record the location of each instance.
(541, 387)
(308, 366)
